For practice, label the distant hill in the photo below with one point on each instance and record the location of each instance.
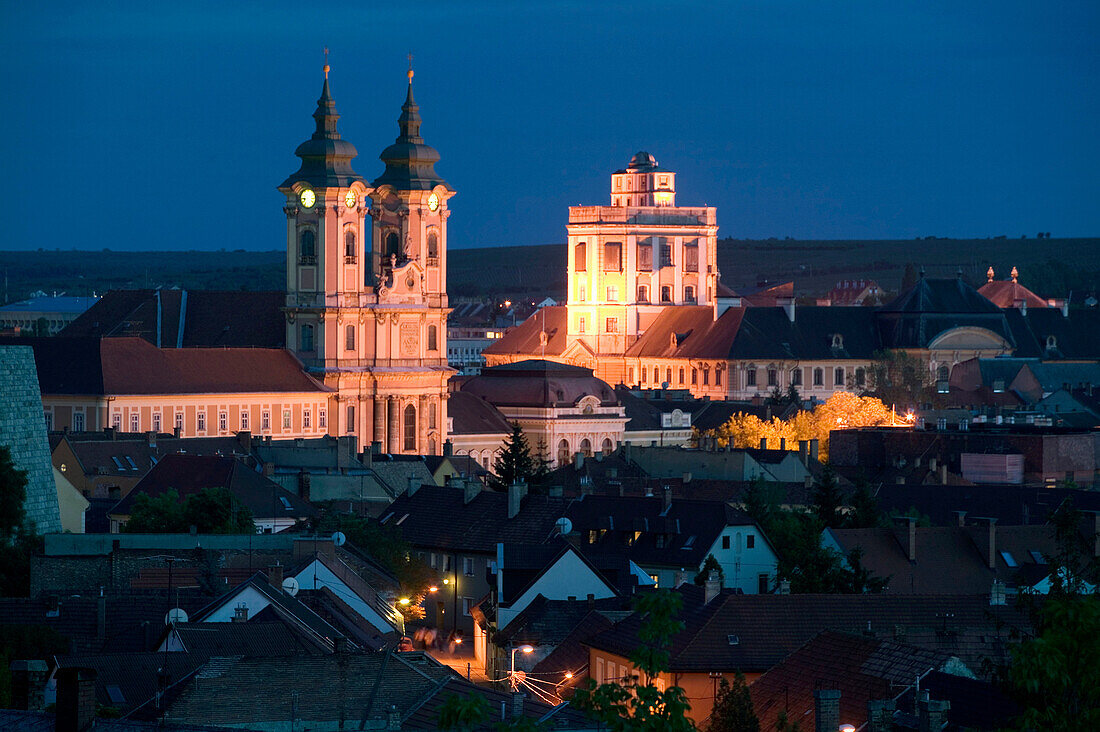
(1050, 267)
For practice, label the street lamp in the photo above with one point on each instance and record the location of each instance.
(512, 676)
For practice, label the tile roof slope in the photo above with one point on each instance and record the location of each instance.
(687, 331)
(769, 333)
(538, 383)
(211, 318)
(769, 627)
(861, 668)
(1074, 334)
(571, 655)
(190, 474)
(549, 622)
(472, 415)
(270, 639)
(974, 704)
(435, 516)
(64, 366)
(525, 337)
(426, 715)
(1008, 293)
(128, 680)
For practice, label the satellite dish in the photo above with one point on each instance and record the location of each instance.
(338, 538)
(290, 586)
(564, 525)
(175, 616)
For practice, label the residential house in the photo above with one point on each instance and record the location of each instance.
(726, 633)
(273, 507)
(670, 538)
(455, 530)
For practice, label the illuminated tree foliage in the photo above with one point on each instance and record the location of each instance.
(842, 409)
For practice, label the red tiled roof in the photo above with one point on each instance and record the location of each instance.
(697, 334)
(1008, 294)
(524, 338)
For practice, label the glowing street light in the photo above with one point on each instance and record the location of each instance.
(526, 649)
(433, 588)
(404, 601)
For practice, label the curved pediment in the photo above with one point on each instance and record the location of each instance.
(968, 337)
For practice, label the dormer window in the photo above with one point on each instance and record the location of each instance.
(1052, 342)
(838, 340)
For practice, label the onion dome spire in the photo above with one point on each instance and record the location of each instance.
(326, 159)
(410, 163)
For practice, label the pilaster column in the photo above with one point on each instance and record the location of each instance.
(379, 433)
(422, 425)
(393, 407)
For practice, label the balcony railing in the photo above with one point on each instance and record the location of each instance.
(643, 215)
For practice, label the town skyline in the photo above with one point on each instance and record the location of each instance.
(793, 121)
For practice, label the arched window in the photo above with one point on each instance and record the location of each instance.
(861, 376)
(689, 294)
(433, 340)
(433, 247)
(666, 293)
(307, 337)
(838, 376)
(586, 447)
(717, 376)
(563, 452)
(796, 377)
(410, 428)
(643, 293)
(942, 373)
(580, 257)
(1052, 342)
(681, 376)
(307, 247)
(645, 373)
(668, 375)
(431, 416)
(819, 377)
(607, 447)
(349, 338)
(393, 245)
(349, 245)
(656, 376)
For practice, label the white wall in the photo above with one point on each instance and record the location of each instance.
(568, 577)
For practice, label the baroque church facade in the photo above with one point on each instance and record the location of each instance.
(366, 298)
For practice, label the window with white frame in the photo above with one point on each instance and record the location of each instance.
(286, 419)
(135, 422)
(200, 419)
(116, 421)
(244, 418)
(178, 421)
(78, 421)
(322, 418)
(307, 419)
(265, 420)
(223, 421)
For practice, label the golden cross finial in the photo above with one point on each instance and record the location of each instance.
(410, 67)
(325, 68)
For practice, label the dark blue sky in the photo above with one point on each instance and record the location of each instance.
(168, 125)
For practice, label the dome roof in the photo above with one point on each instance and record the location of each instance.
(326, 159)
(410, 164)
(642, 161)
(537, 383)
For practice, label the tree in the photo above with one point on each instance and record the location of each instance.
(902, 380)
(637, 703)
(13, 494)
(211, 511)
(733, 711)
(1054, 674)
(710, 565)
(473, 712)
(514, 464)
(827, 498)
(540, 474)
(865, 513)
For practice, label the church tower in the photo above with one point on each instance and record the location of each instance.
(366, 307)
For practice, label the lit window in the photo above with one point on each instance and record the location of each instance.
(612, 325)
(580, 257)
(612, 293)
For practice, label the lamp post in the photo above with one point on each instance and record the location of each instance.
(512, 676)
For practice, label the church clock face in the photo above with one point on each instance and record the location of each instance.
(433, 202)
(308, 198)
(350, 199)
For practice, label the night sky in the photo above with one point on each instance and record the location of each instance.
(168, 125)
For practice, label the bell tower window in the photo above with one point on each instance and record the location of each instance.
(307, 247)
(349, 246)
(433, 248)
(349, 338)
(307, 337)
(393, 245)
(433, 338)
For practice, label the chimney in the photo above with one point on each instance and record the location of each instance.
(685, 478)
(240, 613)
(177, 432)
(784, 587)
(470, 490)
(813, 449)
(992, 536)
(783, 443)
(943, 473)
(75, 699)
(275, 575)
(763, 443)
(269, 469)
(666, 494)
(712, 587)
(911, 524)
(880, 715)
(804, 452)
(244, 440)
(151, 438)
(414, 486)
(517, 704)
(305, 483)
(1096, 534)
(448, 448)
(960, 518)
(997, 594)
(826, 710)
(578, 460)
(932, 713)
(101, 616)
(28, 685)
(591, 600)
(931, 463)
(787, 303)
(516, 494)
